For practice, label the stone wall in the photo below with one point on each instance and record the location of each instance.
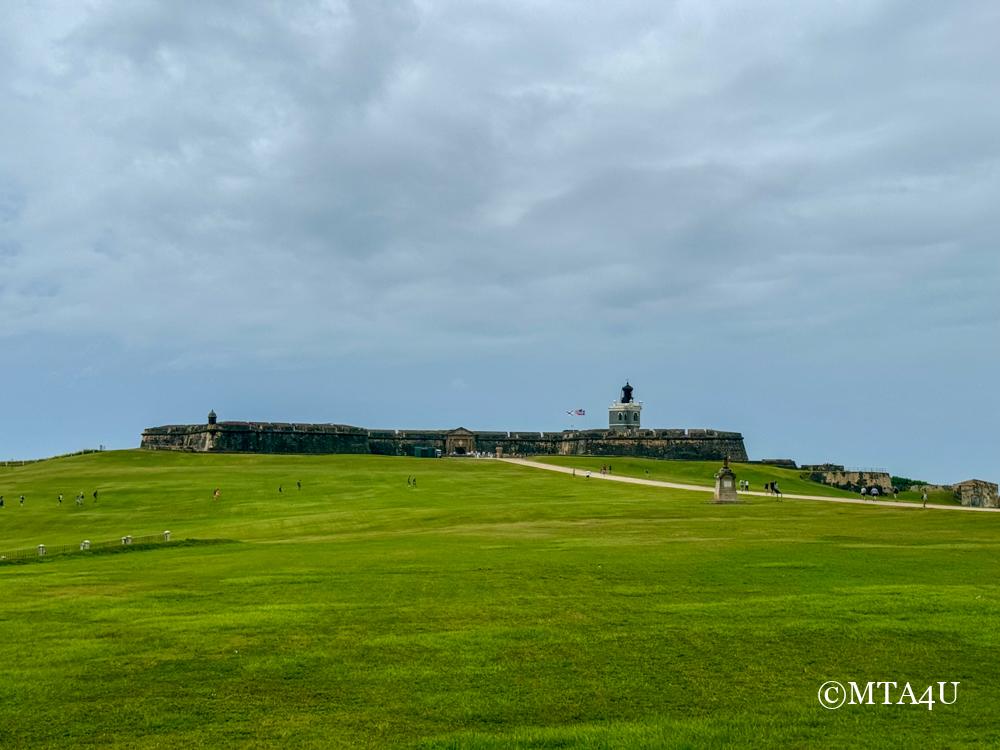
(271, 437)
(258, 437)
(183, 437)
(402, 442)
(977, 493)
(691, 445)
(854, 480)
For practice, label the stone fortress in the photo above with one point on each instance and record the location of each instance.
(624, 436)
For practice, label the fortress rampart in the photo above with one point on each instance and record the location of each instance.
(278, 437)
(257, 437)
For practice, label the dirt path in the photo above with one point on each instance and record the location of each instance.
(701, 488)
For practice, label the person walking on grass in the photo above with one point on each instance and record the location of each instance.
(1, 501)
(874, 494)
(95, 497)
(864, 493)
(923, 498)
(299, 484)
(60, 498)
(216, 494)
(22, 499)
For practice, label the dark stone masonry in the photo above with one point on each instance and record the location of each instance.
(278, 437)
(624, 437)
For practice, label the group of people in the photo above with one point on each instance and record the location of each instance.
(59, 499)
(770, 488)
(873, 492)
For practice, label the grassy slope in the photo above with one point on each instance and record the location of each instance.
(703, 473)
(493, 605)
(939, 497)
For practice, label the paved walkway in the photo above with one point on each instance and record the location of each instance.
(701, 488)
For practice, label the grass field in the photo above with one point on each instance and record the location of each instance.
(703, 472)
(492, 606)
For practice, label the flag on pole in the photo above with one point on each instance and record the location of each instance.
(577, 412)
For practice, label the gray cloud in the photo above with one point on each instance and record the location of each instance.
(366, 179)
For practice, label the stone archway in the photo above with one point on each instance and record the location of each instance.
(460, 442)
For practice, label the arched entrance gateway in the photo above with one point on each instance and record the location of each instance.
(460, 442)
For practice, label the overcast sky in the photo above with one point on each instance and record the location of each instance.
(777, 218)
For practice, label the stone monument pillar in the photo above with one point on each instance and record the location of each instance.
(725, 484)
(212, 419)
(624, 413)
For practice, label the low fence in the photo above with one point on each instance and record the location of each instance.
(43, 551)
(27, 461)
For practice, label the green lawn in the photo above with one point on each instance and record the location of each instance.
(939, 497)
(699, 472)
(493, 606)
(703, 473)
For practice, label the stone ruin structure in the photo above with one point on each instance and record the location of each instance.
(977, 493)
(846, 479)
(280, 437)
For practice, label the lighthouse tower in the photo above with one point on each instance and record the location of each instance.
(624, 413)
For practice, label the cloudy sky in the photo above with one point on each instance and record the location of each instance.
(773, 217)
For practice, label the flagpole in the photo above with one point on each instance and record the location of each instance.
(575, 413)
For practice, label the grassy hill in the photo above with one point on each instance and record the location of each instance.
(699, 472)
(491, 606)
(702, 473)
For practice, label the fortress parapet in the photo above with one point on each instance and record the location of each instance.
(623, 437)
(257, 437)
(280, 437)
